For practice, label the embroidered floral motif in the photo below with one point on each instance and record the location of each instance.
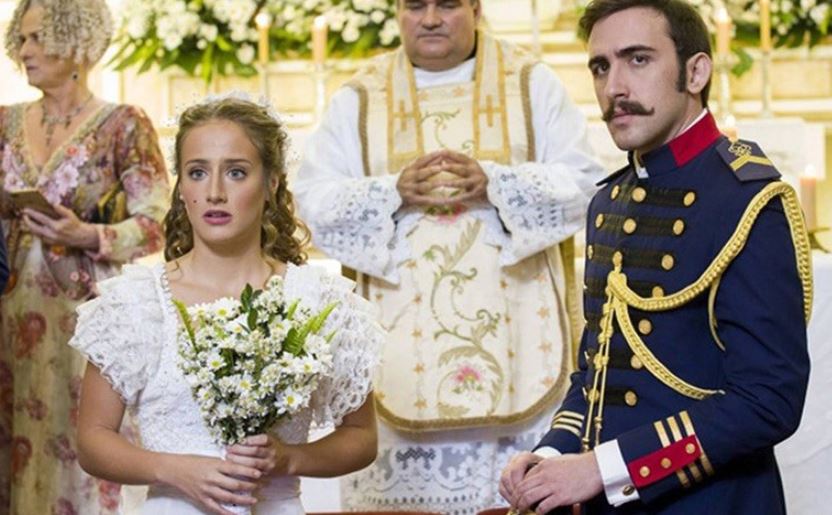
(467, 378)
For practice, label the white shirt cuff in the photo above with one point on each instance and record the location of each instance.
(547, 452)
(618, 487)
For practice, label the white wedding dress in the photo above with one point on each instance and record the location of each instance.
(129, 332)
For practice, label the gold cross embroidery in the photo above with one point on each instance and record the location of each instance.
(490, 110)
(403, 114)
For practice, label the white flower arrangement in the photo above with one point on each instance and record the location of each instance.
(793, 22)
(356, 27)
(252, 361)
(208, 37)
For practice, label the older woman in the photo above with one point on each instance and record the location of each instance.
(100, 167)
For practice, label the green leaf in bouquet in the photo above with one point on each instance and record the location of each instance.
(252, 319)
(290, 313)
(246, 297)
(294, 341)
(186, 320)
(317, 322)
(330, 336)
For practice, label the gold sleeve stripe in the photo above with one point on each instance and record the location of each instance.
(677, 435)
(568, 418)
(703, 458)
(571, 429)
(665, 441)
(570, 414)
(567, 422)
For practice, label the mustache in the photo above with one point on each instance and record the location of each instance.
(627, 107)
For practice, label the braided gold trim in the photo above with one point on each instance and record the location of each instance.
(526, 96)
(712, 313)
(730, 250)
(651, 363)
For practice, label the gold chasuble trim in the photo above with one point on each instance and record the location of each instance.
(363, 100)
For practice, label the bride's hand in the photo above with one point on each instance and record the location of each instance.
(210, 481)
(263, 452)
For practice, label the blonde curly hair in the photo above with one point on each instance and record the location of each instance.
(72, 29)
(282, 235)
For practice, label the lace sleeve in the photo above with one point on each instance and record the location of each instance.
(349, 213)
(356, 346)
(539, 204)
(120, 331)
(357, 226)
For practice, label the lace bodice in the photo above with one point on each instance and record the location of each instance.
(129, 333)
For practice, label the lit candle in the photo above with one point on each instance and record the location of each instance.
(723, 32)
(808, 183)
(765, 25)
(319, 33)
(264, 22)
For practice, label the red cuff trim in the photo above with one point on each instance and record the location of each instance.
(667, 460)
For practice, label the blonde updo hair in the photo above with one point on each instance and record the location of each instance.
(282, 236)
(72, 29)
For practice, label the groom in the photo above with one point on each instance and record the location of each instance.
(693, 363)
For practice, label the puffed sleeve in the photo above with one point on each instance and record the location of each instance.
(121, 331)
(356, 346)
(141, 169)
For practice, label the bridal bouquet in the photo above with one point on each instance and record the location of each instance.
(253, 361)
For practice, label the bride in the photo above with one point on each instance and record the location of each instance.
(231, 223)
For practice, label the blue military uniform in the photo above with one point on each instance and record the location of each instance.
(696, 295)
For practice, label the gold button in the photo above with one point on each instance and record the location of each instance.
(667, 262)
(658, 291)
(630, 398)
(678, 227)
(690, 198)
(630, 226)
(690, 448)
(666, 463)
(599, 220)
(644, 471)
(617, 258)
(636, 363)
(589, 252)
(644, 326)
(592, 395)
(628, 490)
(614, 192)
(639, 194)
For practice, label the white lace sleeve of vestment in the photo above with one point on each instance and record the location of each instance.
(350, 215)
(544, 202)
(356, 346)
(120, 331)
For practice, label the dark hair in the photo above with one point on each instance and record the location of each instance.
(687, 29)
(282, 236)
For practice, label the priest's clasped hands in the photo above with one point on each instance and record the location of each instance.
(442, 178)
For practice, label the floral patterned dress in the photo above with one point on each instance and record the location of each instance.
(40, 375)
